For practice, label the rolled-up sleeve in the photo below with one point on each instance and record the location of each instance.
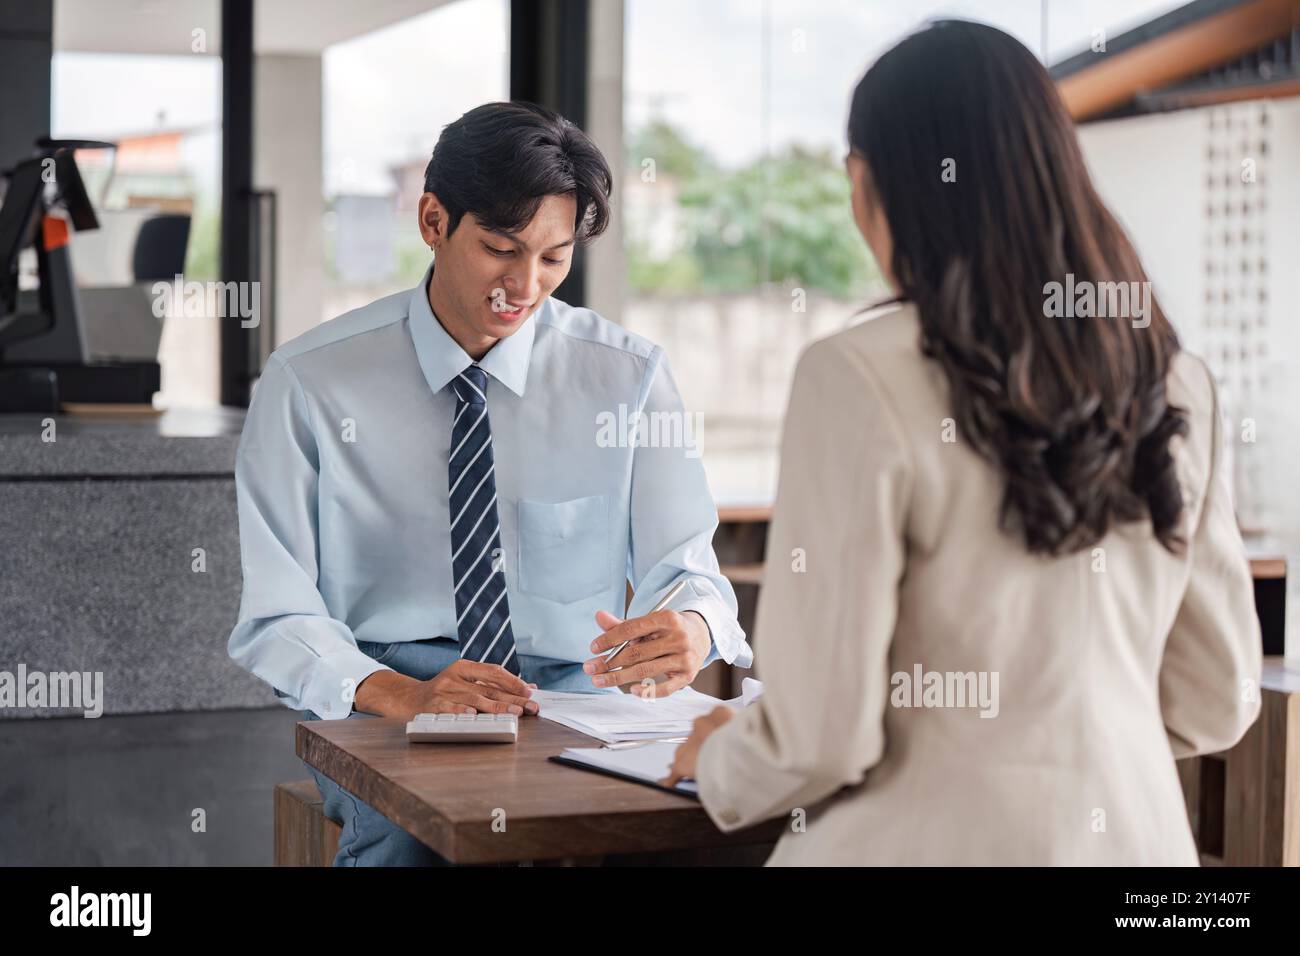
(285, 633)
(673, 518)
(835, 559)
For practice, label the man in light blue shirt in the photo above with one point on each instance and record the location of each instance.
(436, 512)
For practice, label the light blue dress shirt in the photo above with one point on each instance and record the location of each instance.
(341, 479)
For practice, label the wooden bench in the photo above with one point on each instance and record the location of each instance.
(304, 836)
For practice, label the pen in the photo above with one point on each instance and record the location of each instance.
(663, 603)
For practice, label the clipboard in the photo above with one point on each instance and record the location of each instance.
(606, 771)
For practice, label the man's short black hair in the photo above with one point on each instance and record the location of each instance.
(500, 160)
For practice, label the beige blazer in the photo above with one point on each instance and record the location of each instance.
(885, 565)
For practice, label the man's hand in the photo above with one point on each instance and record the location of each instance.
(463, 687)
(663, 643)
(688, 754)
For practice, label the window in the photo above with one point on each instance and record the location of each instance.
(739, 239)
(387, 96)
(156, 94)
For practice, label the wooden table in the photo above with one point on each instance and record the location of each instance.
(493, 803)
(1244, 803)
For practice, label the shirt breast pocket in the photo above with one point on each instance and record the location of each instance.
(564, 548)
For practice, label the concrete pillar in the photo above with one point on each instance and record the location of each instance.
(606, 270)
(287, 155)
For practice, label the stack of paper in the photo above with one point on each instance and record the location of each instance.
(618, 717)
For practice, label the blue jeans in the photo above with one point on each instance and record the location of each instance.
(369, 838)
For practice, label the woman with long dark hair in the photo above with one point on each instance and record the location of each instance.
(1005, 586)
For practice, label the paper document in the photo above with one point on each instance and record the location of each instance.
(750, 691)
(649, 762)
(614, 718)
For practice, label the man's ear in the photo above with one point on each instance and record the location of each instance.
(433, 220)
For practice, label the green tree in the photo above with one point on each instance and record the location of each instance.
(782, 219)
(203, 257)
(672, 153)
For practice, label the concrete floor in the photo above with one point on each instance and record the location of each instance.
(122, 790)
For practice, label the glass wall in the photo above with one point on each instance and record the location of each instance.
(157, 95)
(738, 235)
(387, 96)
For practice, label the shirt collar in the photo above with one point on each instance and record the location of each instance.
(442, 359)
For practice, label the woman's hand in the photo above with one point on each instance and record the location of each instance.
(689, 752)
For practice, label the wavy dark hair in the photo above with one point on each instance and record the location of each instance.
(1072, 411)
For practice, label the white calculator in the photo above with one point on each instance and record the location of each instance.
(463, 729)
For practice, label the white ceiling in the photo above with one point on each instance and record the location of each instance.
(167, 26)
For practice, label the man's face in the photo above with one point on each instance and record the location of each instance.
(486, 283)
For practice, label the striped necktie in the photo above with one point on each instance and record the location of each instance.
(482, 609)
